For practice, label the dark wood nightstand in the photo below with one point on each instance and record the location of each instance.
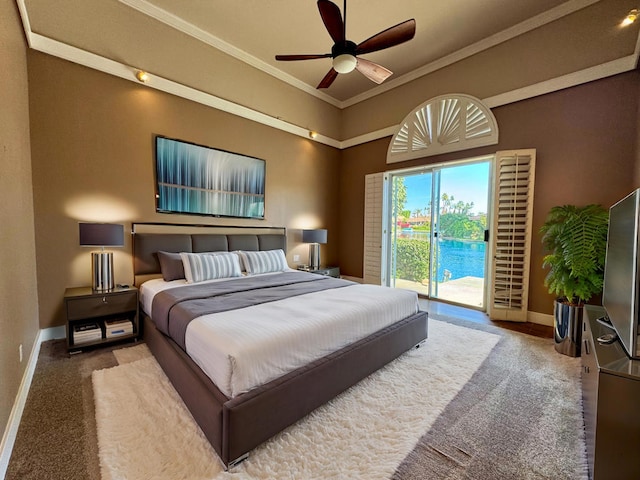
(95, 318)
(328, 271)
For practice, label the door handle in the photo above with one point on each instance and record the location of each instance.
(486, 235)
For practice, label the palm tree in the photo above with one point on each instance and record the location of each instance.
(468, 207)
(445, 203)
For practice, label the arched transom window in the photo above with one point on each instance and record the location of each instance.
(447, 123)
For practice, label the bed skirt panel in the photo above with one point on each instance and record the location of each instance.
(252, 418)
(200, 395)
(236, 426)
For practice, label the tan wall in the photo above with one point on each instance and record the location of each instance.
(160, 50)
(92, 148)
(636, 178)
(18, 297)
(585, 139)
(585, 39)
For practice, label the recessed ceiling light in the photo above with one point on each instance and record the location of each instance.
(142, 76)
(631, 17)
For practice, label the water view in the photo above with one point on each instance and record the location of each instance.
(457, 259)
(461, 259)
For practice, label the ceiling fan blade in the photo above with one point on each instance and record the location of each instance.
(289, 58)
(332, 19)
(328, 79)
(390, 37)
(374, 72)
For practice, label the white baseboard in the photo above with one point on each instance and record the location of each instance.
(11, 430)
(540, 318)
(52, 333)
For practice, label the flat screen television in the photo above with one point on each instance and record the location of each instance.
(621, 294)
(198, 180)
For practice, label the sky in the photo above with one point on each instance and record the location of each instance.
(467, 183)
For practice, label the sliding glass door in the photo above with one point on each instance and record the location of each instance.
(411, 233)
(437, 235)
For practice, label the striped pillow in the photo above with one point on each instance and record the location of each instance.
(264, 262)
(199, 267)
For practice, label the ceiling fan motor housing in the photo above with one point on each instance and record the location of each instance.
(343, 47)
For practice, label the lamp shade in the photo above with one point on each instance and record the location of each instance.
(318, 235)
(101, 235)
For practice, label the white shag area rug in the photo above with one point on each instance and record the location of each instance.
(146, 432)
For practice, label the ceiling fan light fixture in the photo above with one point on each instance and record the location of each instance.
(344, 63)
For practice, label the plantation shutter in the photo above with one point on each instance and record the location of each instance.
(373, 198)
(511, 243)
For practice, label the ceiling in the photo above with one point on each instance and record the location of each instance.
(266, 28)
(254, 31)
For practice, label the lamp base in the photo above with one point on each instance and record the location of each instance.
(102, 271)
(314, 256)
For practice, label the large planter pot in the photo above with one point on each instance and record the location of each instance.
(567, 323)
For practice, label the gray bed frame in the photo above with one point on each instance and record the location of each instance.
(235, 426)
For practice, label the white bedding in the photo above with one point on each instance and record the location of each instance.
(242, 349)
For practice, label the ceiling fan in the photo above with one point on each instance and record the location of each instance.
(345, 53)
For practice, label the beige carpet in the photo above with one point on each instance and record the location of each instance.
(144, 430)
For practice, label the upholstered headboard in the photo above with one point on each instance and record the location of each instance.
(146, 246)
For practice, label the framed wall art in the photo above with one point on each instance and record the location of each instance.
(199, 180)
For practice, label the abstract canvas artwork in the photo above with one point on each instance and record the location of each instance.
(200, 180)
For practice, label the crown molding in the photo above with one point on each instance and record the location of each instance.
(91, 60)
(61, 50)
(590, 74)
(26, 24)
(485, 44)
(187, 28)
(369, 137)
(615, 67)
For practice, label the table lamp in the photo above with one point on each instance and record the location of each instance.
(102, 235)
(314, 238)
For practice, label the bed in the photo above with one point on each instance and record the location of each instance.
(238, 415)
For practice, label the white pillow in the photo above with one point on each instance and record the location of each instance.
(199, 267)
(264, 262)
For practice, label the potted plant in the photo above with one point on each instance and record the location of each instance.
(576, 241)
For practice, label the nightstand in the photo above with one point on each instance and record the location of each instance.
(95, 318)
(327, 271)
